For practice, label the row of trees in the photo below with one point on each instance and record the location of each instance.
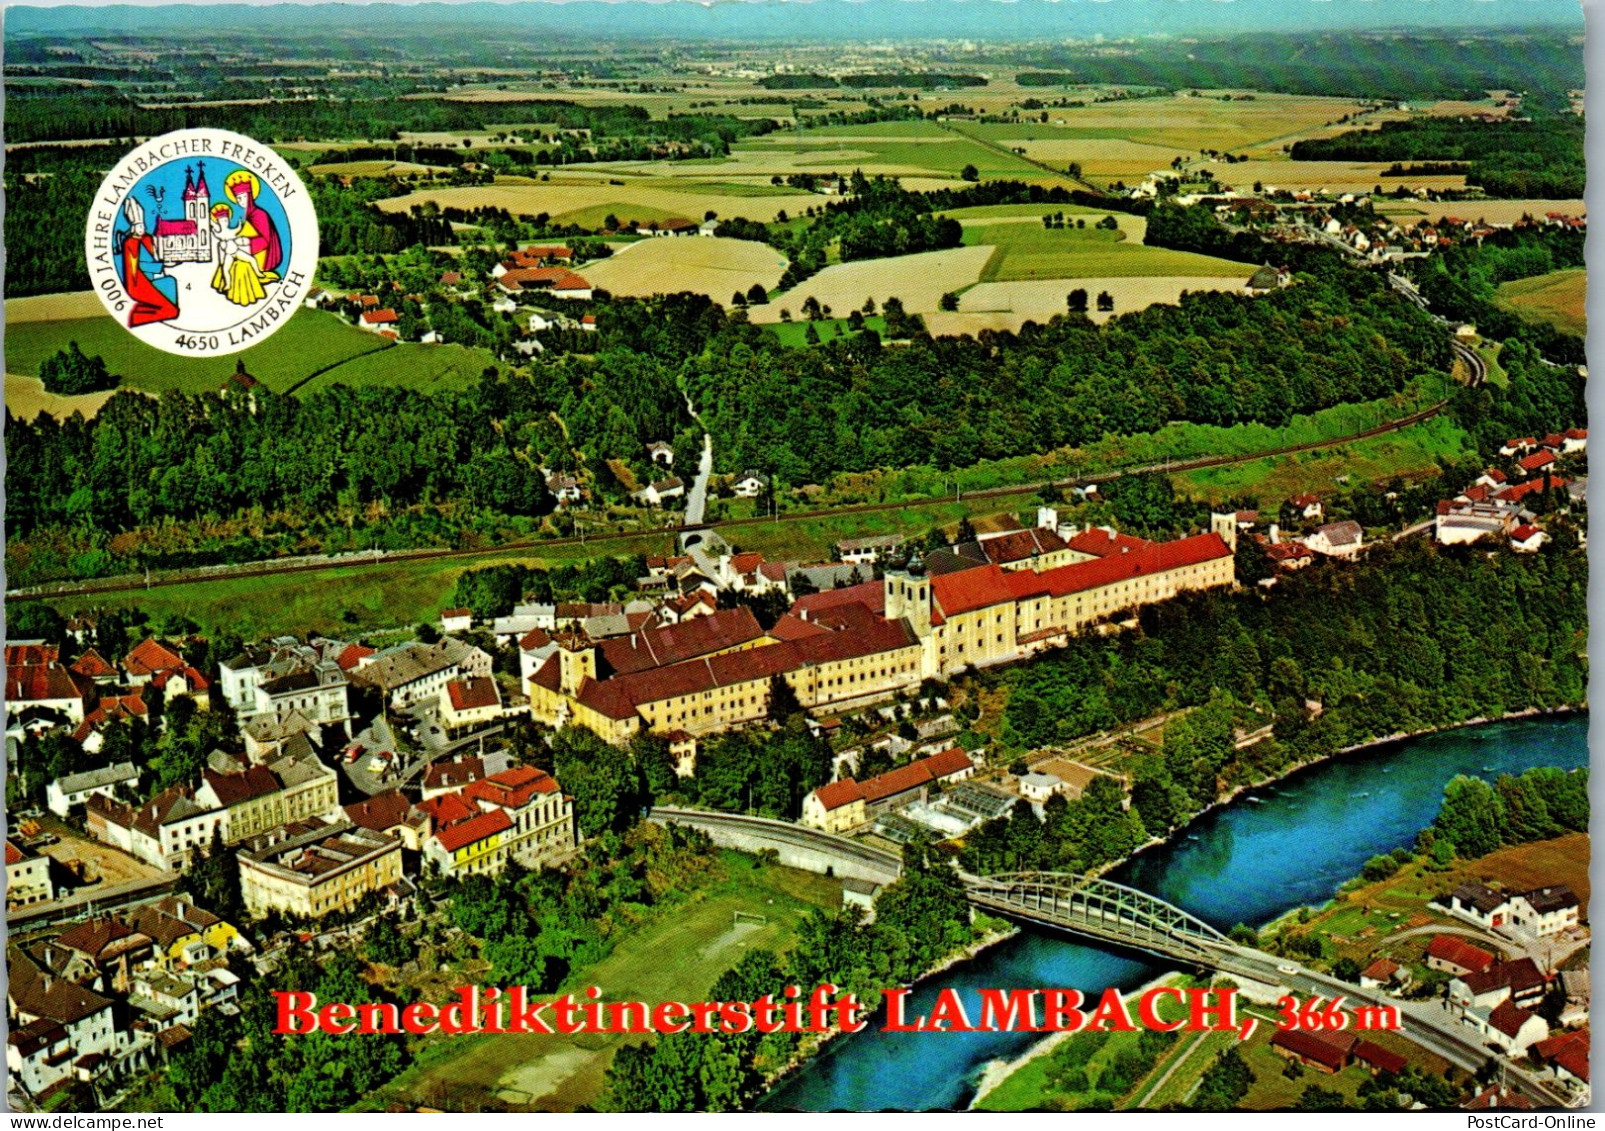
(1477, 818)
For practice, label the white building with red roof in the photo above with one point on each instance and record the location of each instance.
(472, 702)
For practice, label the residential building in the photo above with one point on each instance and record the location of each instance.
(1519, 980)
(75, 789)
(1040, 787)
(475, 844)
(35, 678)
(1545, 911)
(413, 673)
(154, 663)
(392, 815)
(1384, 974)
(320, 867)
(1527, 538)
(35, 993)
(1479, 904)
(1456, 956)
(448, 777)
(542, 817)
(866, 551)
(183, 933)
(456, 620)
(293, 786)
(286, 675)
(27, 877)
(39, 1054)
(749, 485)
(466, 703)
(655, 494)
(1324, 1051)
(1337, 539)
(1508, 1026)
(166, 832)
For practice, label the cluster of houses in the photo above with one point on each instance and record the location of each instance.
(1345, 539)
(110, 996)
(1496, 505)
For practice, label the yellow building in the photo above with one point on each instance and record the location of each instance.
(327, 867)
(183, 933)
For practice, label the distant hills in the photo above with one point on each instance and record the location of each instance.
(814, 20)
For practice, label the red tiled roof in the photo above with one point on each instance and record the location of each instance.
(1522, 533)
(1304, 1044)
(839, 793)
(379, 317)
(455, 613)
(1521, 490)
(745, 563)
(196, 681)
(971, 589)
(1381, 970)
(1380, 1058)
(32, 653)
(512, 788)
(32, 683)
(1577, 433)
(1155, 557)
(353, 655)
(534, 640)
(791, 627)
(231, 789)
(870, 594)
(1493, 1097)
(150, 656)
(93, 665)
(470, 694)
(1521, 974)
(449, 774)
(1101, 542)
(673, 644)
(381, 812)
(474, 829)
(447, 809)
(1536, 461)
(1447, 948)
(1019, 545)
(1508, 1017)
(14, 855)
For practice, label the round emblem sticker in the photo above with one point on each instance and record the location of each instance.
(202, 242)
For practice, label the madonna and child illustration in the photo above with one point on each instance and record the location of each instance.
(212, 242)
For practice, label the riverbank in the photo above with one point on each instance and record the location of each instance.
(1294, 771)
(809, 1049)
(997, 1071)
(926, 1074)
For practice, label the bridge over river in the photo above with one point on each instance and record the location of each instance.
(1106, 912)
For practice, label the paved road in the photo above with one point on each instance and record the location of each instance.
(696, 504)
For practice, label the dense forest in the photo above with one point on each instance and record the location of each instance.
(1541, 159)
(1409, 638)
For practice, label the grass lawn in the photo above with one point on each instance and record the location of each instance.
(311, 340)
(547, 1073)
(1027, 250)
(427, 368)
(1558, 298)
(795, 334)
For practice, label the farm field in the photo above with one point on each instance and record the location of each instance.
(585, 202)
(53, 308)
(709, 265)
(310, 341)
(1333, 176)
(1559, 298)
(1024, 249)
(26, 398)
(1041, 299)
(1493, 211)
(918, 280)
(410, 365)
(1181, 123)
(561, 1073)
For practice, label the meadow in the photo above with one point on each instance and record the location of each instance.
(1559, 298)
(918, 280)
(1023, 249)
(586, 201)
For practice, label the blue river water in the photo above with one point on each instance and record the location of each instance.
(1289, 844)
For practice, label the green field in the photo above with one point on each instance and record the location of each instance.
(795, 334)
(1029, 251)
(1559, 298)
(1008, 211)
(595, 216)
(1412, 453)
(892, 147)
(561, 1073)
(310, 341)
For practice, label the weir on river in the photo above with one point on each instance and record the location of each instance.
(1280, 847)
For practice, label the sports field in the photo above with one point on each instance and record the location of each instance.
(1559, 298)
(547, 1073)
(708, 265)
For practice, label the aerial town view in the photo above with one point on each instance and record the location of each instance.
(969, 505)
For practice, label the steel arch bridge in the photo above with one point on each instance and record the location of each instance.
(1102, 910)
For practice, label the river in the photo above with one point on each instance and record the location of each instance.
(1280, 847)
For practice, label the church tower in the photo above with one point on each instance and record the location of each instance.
(1224, 523)
(576, 660)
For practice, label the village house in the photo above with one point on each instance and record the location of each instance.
(1384, 974)
(39, 1055)
(1520, 980)
(541, 816)
(466, 840)
(655, 494)
(1545, 911)
(659, 452)
(1507, 1026)
(1321, 1050)
(382, 321)
(75, 789)
(37, 680)
(1456, 956)
(456, 620)
(1038, 787)
(285, 675)
(184, 934)
(448, 777)
(36, 994)
(27, 877)
(866, 551)
(318, 868)
(1527, 539)
(1308, 506)
(749, 485)
(467, 703)
(1480, 904)
(1337, 539)
(1566, 1055)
